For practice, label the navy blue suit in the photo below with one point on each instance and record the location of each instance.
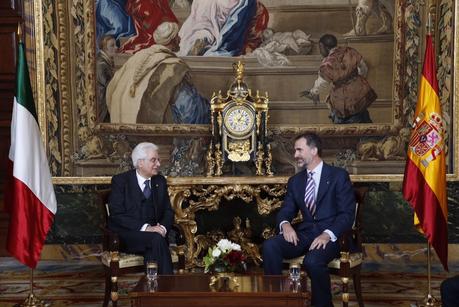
(335, 211)
(449, 290)
(130, 210)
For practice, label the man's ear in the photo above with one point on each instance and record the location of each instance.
(314, 151)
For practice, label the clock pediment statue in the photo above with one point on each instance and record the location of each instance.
(239, 128)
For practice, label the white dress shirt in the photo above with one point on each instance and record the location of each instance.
(317, 173)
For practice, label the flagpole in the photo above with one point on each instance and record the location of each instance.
(31, 300)
(424, 182)
(429, 299)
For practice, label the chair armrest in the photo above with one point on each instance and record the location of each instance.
(350, 241)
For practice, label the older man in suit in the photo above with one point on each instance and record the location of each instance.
(325, 197)
(140, 209)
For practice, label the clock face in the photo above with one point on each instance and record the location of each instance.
(239, 120)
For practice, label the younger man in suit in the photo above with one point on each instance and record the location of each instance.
(325, 197)
(140, 209)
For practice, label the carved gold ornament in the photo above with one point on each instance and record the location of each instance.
(191, 197)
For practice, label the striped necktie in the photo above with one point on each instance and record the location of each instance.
(309, 194)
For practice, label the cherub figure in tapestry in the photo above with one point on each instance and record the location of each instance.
(277, 46)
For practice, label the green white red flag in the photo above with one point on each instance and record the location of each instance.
(29, 194)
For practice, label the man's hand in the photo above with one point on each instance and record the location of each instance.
(320, 242)
(289, 233)
(307, 93)
(157, 229)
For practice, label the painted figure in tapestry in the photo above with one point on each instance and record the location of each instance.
(216, 27)
(105, 70)
(147, 15)
(350, 94)
(382, 9)
(154, 86)
(112, 19)
(131, 22)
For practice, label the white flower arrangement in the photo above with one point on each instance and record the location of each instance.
(225, 256)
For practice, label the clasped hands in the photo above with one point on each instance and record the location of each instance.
(290, 236)
(157, 228)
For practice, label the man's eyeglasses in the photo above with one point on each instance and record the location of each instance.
(154, 160)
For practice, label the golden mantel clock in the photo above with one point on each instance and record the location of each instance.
(239, 128)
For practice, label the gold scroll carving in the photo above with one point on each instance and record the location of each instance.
(189, 198)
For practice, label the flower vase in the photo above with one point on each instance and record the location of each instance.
(224, 281)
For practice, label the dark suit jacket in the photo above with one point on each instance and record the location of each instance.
(335, 202)
(126, 199)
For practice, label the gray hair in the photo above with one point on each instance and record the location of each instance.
(140, 152)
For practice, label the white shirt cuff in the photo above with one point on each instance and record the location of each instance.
(333, 238)
(280, 226)
(144, 227)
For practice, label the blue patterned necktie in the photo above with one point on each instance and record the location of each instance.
(147, 189)
(309, 194)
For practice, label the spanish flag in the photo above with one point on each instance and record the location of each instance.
(424, 184)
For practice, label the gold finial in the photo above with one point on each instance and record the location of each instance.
(429, 23)
(19, 32)
(431, 18)
(239, 68)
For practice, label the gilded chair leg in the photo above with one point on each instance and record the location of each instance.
(114, 272)
(114, 293)
(358, 288)
(345, 294)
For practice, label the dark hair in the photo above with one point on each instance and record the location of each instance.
(329, 41)
(312, 140)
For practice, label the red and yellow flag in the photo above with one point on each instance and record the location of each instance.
(424, 184)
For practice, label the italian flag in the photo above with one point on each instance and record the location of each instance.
(424, 184)
(29, 195)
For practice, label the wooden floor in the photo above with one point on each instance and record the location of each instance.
(81, 283)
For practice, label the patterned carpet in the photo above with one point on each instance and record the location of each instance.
(81, 283)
